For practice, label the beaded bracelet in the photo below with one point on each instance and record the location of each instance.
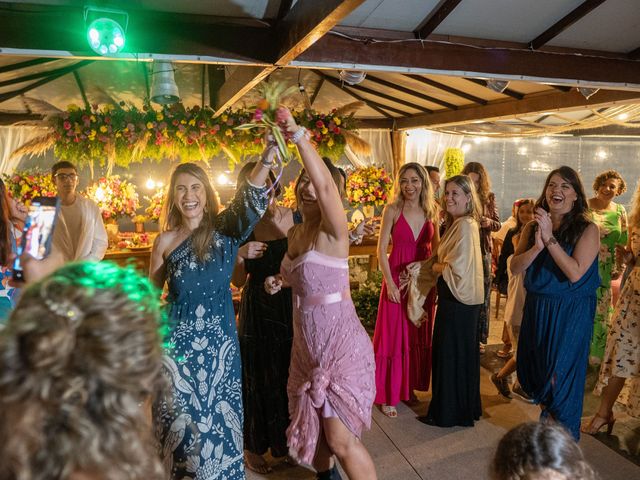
(297, 136)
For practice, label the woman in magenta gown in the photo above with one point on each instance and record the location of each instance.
(403, 350)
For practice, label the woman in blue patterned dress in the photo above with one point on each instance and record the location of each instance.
(559, 251)
(200, 423)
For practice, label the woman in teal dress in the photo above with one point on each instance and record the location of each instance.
(559, 251)
(611, 219)
(7, 248)
(199, 424)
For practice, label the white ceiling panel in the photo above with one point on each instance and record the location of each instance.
(622, 32)
(507, 20)
(404, 15)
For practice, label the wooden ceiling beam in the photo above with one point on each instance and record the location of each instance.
(507, 91)
(447, 88)
(63, 71)
(436, 17)
(300, 28)
(408, 91)
(25, 64)
(12, 118)
(375, 93)
(435, 57)
(564, 23)
(634, 54)
(369, 103)
(553, 102)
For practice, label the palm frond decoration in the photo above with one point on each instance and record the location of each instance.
(356, 143)
(40, 106)
(349, 109)
(35, 147)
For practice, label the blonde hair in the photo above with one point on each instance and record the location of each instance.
(634, 217)
(426, 200)
(79, 354)
(473, 207)
(172, 218)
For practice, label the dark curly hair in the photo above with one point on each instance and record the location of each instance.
(79, 356)
(610, 174)
(577, 220)
(537, 451)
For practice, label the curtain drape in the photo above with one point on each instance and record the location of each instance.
(381, 151)
(427, 147)
(10, 139)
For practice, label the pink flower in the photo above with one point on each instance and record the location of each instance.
(320, 124)
(66, 125)
(257, 115)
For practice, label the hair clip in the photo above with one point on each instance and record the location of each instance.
(62, 308)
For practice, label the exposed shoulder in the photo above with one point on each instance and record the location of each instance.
(391, 211)
(163, 241)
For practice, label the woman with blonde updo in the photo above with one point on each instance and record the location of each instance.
(79, 358)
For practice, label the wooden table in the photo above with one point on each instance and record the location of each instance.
(141, 259)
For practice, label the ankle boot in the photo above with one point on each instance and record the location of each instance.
(332, 474)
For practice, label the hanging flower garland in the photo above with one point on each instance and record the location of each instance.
(27, 184)
(115, 197)
(120, 135)
(453, 161)
(368, 187)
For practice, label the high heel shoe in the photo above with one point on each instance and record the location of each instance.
(596, 424)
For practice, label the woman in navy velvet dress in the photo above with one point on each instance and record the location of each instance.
(559, 251)
(199, 424)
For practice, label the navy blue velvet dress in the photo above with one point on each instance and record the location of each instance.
(554, 338)
(199, 423)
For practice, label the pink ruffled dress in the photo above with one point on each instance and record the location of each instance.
(332, 372)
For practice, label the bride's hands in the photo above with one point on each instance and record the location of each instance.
(286, 122)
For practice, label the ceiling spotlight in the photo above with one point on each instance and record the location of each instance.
(163, 85)
(497, 85)
(106, 29)
(623, 116)
(588, 92)
(352, 77)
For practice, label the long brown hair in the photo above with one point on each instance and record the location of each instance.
(426, 200)
(79, 354)
(201, 236)
(484, 183)
(5, 226)
(575, 221)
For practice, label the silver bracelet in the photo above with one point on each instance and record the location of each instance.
(297, 136)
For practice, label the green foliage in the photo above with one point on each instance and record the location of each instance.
(453, 162)
(366, 299)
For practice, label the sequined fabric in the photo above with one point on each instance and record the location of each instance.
(332, 369)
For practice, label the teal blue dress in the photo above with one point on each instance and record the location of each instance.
(555, 335)
(200, 421)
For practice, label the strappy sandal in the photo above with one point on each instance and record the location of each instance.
(596, 424)
(389, 410)
(261, 467)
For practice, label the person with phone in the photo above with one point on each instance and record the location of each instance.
(80, 234)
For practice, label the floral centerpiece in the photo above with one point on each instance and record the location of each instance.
(368, 187)
(155, 205)
(27, 184)
(453, 162)
(116, 197)
(137, 240)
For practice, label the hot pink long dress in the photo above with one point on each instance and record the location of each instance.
(403, 351)
(332, 365)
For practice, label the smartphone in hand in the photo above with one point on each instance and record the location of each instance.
(37, 235)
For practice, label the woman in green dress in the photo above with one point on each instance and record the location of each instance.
(611, 219)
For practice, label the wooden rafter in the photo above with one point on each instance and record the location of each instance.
(507, 91)
(83, 93)
(564, 23)
(300, 28)
(408, 91)
(375, 93)
(634, 54)
(447, 88)
(316, 91)
(554, 102)
(436, 17)
(371, 104)
(445, 58)
(33, 76)
(63, 71)
(25, 64)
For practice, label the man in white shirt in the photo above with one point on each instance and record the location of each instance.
(79, 232)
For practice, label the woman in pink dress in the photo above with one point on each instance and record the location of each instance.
(403, 350)
(331, 378)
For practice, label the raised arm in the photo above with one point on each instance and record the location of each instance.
(333, 218)
(157, 267)
(388, 215)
